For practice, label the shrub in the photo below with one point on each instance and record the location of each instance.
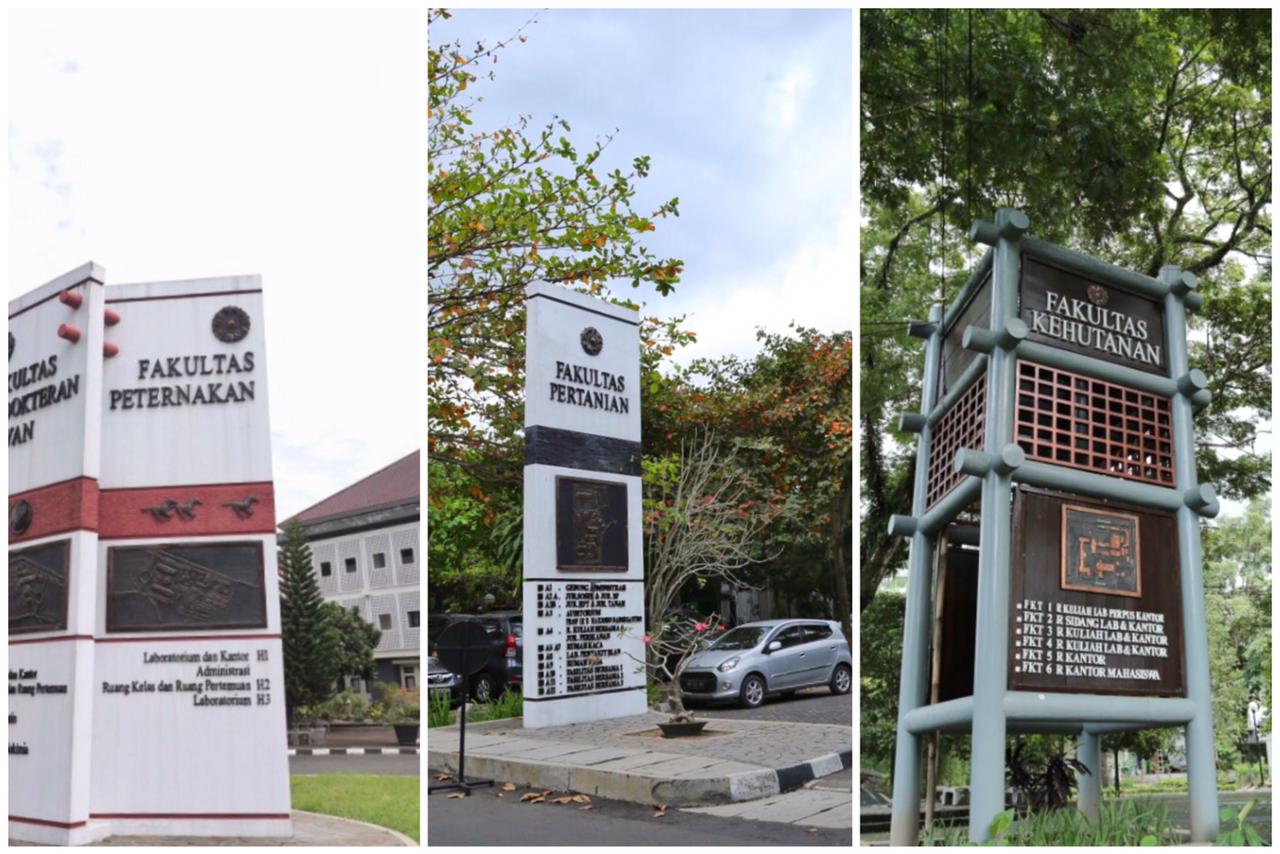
(396, 705)
(347, 706)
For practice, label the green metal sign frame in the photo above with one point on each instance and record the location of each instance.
(993, 710)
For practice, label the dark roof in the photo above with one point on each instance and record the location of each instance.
(393, 486)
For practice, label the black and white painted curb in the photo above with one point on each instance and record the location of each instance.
(795, 776)
(353, 751)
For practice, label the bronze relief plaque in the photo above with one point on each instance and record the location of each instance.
(1100, 551)
(591, 525)
(38, 587)
(163, 587)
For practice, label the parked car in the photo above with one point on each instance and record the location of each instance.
(769, 657)
(440, 680)
(505, 666)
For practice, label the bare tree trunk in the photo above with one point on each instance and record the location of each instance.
(841, 509)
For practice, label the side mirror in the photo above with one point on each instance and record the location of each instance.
(773, 646)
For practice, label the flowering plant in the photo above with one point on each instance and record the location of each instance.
(668, 648)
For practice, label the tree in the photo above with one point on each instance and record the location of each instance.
(311, 644)
(357, 639)
(785, 416)
(1237, 578)
(510, 206)
(1144, 744)
(1138, 136)
(699, 526)
(880, 669)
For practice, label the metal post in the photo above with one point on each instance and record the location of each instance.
(913, 687)
(1089, 753)
(1202, 777)
(991, 647)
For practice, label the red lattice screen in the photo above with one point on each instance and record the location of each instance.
(1071, 420)
(960, 428)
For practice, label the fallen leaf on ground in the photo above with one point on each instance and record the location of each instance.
(528, 796)
(813, 830)
(587, 807)
(564, 800)
(508, 787)
(659, 814)
(660, 807)
(499, 794)
(539, 799)
(457, 794)
(442, 776)
(581, 799)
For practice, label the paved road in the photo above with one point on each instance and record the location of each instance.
(485, 819)
(1178, 808)
(810, 706)
(396, 764)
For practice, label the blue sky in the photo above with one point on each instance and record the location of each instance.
(748, 116)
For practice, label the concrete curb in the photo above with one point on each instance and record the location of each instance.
(353, 751)
(684, 789)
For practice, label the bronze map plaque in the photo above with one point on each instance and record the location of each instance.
(163, 587)
(591, 525)
(38, 588)
(1100, 551)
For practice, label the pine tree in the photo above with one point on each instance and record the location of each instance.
(311, 654)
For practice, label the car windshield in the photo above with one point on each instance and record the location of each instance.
(743, 637)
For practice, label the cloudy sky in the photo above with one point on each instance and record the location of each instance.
(168, 145)
(748, 116)
(171, 145)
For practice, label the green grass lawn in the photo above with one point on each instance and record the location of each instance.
(383, 800)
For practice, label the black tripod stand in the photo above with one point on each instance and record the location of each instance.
(455, 650)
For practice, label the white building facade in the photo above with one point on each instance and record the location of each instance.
(365, 549)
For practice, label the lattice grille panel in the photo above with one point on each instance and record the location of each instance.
(960, 428)
(1071, 420)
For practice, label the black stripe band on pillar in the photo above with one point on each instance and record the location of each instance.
(554, 447)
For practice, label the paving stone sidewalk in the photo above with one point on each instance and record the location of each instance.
(735, 760)
(309, 829)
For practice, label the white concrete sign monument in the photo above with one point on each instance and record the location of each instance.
(583, 556)
(146, 689)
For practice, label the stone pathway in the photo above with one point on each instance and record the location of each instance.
(768, 743)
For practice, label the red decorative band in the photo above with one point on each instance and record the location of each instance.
(55, 295)
(185, 296)
(162, 638)
(152, 639)
(187, 511)
(69, 505)
(44, 822)
(13, 642)
(191, 815)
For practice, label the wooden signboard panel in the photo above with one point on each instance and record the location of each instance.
(959, 624)
(1096, 605)
(1074, 313)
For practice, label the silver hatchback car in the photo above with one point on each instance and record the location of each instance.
(770, 657)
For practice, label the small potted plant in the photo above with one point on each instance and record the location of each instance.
(400, 709)
(669, 648)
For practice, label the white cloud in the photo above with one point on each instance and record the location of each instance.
(784, 101)
(811, 285)
(285, 143)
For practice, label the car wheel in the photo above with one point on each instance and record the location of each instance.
(841, 679)
(482, 688)
(752, 694)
